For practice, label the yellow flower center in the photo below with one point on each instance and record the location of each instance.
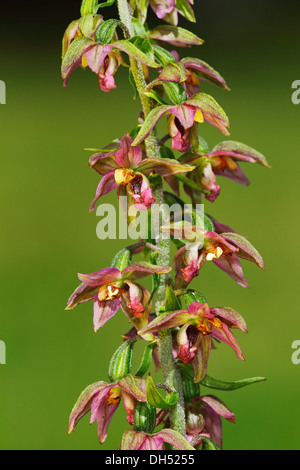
(199, 116)
(114, 396)
(109, 292)
(214, 253)
(219, 163)
(123, 176)
(205, 325)
(84, 62)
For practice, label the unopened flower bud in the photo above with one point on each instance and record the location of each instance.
(144, 417)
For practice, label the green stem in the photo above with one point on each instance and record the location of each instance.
(169, 368)
(152, 148)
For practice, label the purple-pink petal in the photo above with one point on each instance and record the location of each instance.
(185, 114)
(128, 156)
(231, 265)
(236, 175)
(101, 277)
(95, 57)
(106, 185)
(104, 310)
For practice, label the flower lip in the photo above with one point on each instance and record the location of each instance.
(109, 292)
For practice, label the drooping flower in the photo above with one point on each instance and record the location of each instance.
(224, 250)
(102, 400)
(136, 440)
(103, 59)
(126, 169)
(199, 108)
(190, 72)
(111, 289)
(203, 418)
(167, 10)
(222, 161)
(198, 325)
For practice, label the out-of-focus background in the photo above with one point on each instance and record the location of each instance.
(47, 234)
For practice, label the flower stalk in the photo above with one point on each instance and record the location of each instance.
(177, 323)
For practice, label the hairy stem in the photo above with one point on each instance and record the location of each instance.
(152, 148)
(169, 367)
(170, 371)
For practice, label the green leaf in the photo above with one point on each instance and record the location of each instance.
(88, 24)
(175, 92)
(186, 10)
(138, 27)
(163, 56)
(175, 35)
(144, 45)
(88, 6)
(109, 3)
(228, 386)
(142, 8)
(106, 31)
(155, 96)
(154, 398)
(146, 359)
(133, 51)
(133, 84)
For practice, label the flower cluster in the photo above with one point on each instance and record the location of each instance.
(179, 327)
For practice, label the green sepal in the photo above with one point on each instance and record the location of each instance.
(228, 386)
(144, 419)
(171, 302)
(106, 31)
(88, 7)
(120, 363)
(186, 10)
(192, 295)
(122, 259)
(146, 359)
(155, 398)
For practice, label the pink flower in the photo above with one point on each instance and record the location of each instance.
(223, 250)
(102, 400)
(111, 289)
(126, 170)
(198, 325)
(136, 440)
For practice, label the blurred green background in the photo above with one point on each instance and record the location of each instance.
(48, 235)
